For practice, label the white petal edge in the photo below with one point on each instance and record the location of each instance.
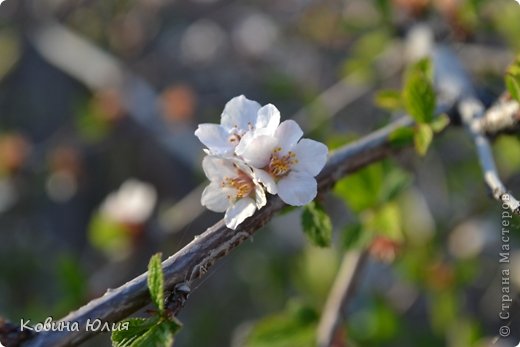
(258, 151)
(297, 189)
(268, 119)
(238, 212)
(288, 133)
(311, 156)
(240, 112)
(260, 199)
(214, 197)
(266, 179)
(215, 137)
(216, 168)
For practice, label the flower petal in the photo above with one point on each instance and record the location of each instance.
(238, 212)
(260, 199)
(215, 137)
(311, 155)
(288, 134)
(266, 179)
(297, 189)
(214, 197)
(240, 112)
(268, 119)
(217, 168)
(258, 151)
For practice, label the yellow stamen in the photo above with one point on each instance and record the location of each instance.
(281, 165)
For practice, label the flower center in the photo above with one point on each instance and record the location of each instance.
(281, 165)
(243, 185)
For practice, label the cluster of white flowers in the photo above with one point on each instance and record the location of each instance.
(251, 152)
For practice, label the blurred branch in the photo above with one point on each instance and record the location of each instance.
(455, 87)
(99, 70)
(342, 290)
(471, 111)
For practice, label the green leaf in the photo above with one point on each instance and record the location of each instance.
(360, 190)
(396, 181)
(136, 328)
(156, 281)
(353, 236)
(387, 221)
(423, 138)
(513, 85)
(389, 99)
(401, 137)
(317, 225)
(418, 94)
(440, 123)
(110, 237)
(295, 326)
(158, 335)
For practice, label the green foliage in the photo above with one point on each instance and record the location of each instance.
(72, 282)
(439, 123)
(294, 327)
(418, 94)
(108, 236)
(401, 137)
(156, 281)
(423, 138)
(377, 323)
(389, 99)
(372, 186)
(317, 225)
(354, 236)
(360, 65)
(512, 79)
(156, 331)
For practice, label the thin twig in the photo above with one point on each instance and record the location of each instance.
(342, 290)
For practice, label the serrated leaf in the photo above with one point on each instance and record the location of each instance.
(317, 225)
(440, 123)
(401, 137)
(423, 138)
(418, 95)
(136, 328)
(158, 335)
(389, 99)
(156, 281)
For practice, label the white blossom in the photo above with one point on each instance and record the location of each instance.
(233, 189)
(133, 203)
(240, 116)
(285, 163)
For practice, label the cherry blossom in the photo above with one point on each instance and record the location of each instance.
(233, 190)
(239, 117)
(285, 163)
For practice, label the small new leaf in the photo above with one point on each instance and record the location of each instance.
(353, 236)
(401, 137)
(156, 281)
(136, 328)
(512, 80)
(440, 123)
(389, 99)
(317, 225)
(423, 138)
(418, 94)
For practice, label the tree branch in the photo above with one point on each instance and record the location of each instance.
(342, 290)
(194, 260)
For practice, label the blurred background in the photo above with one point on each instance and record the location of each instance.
(99, 167)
